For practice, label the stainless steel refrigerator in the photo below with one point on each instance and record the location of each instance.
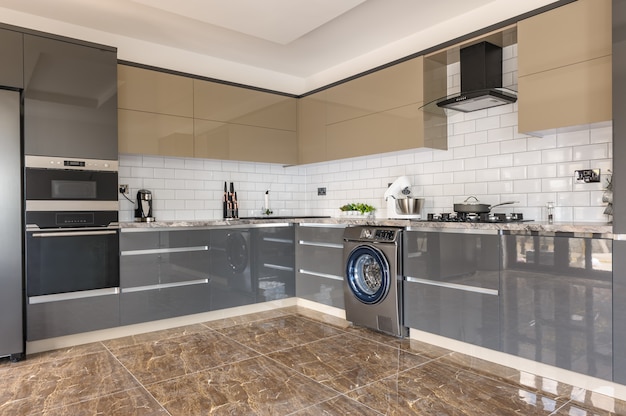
(11, 246)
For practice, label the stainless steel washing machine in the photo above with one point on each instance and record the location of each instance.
(372, 280)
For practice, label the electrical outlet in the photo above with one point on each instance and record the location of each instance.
(123, 189)
(321, 191)
(587, 175)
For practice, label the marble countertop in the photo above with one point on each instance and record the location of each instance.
(602, 229)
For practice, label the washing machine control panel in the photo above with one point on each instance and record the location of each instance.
(385, 235)
(379, 234)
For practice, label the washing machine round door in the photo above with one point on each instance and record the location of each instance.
(368, 274)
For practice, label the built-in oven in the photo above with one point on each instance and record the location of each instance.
(72, 230)
(73, 263)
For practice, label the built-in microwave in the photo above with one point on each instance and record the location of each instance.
(63, 192)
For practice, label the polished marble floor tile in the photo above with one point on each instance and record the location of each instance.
(257, 386)
(279, 363)
(346, 361)
(44, 386)
(436, 388)
(279, 333)
(340, 405)
(249, 318)
(172, 357)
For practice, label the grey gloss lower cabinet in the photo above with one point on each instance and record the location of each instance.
(320, 263)
(452, 285)
(273, 262)
(163, 274)
(556, 301)
(231, 268)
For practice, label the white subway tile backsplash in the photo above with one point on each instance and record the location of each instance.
(541, 143)
(573, 138)
(556, 184)
(501, 134)
(500, 161)
(559, 155)
(487, 149)
(488, 123)
(478, 137)
(464, 127)
(592, 151)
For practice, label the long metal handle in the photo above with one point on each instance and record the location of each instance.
(82, 294)
(74, 233)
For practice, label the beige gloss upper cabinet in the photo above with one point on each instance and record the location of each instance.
(153, 91)
(142, 132)
(238, 105)
(244, 124)
(579, 31)
(395, 86)
(312, 128)
(155, 113)
(564, 67)
(376, 113)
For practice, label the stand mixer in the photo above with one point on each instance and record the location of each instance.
(400, 191)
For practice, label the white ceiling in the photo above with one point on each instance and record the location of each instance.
(292, 46)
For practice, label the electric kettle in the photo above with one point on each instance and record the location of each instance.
(143, 212)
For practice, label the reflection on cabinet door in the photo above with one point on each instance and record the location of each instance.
(557, 300)
(70, 99)
(155, 134)
(452, 285)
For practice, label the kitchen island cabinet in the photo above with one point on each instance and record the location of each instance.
(163, 274)
(452, 284)
(556, 301)
(564, 67)
(320, 263)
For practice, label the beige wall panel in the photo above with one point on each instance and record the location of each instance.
(211, 139)
(569, 96)
(573, 33)
(259, 144)
(221, 102)
(312, 128)
(392, 87)
(154, 91)
(155, 134)
(397, 129)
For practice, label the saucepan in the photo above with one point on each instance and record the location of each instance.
(476, 207)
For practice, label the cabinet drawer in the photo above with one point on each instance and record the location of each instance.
(131, 241)
(320, 289)
(139, 270)
(320, 259)
(458, 314)
(55, 319)
(151, 305)
(330, 235)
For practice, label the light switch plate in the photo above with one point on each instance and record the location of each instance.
(321, 191)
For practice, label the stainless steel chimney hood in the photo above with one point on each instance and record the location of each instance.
(481, 80)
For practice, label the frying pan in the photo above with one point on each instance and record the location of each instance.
(476, 207)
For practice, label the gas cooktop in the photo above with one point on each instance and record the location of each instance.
(477, 218)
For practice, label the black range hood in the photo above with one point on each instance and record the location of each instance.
(481, 80)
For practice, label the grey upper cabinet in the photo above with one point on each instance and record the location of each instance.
(70, 99)
(556, 302)
(11, 65)
(452, 285)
